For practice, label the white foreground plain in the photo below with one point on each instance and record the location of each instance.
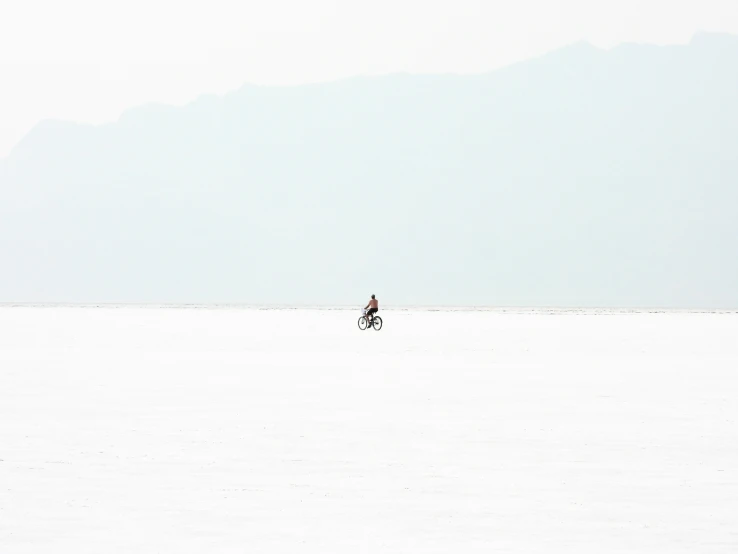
(129, 429)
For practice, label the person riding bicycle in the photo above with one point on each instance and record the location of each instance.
(371, 309)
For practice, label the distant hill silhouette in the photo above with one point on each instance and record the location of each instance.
(585, 177)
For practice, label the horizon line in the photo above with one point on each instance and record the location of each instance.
(348, 307)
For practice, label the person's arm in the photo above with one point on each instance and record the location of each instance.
(367, 306)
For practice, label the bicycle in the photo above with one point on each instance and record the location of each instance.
(366, 322)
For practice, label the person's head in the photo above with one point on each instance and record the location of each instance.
(372, 297)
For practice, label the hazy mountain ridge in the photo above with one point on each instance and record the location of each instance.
(582, 177)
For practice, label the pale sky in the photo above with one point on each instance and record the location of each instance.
(89, 60)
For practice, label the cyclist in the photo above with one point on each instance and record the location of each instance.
(373, 308)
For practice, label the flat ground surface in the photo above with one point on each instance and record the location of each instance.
(233, 430)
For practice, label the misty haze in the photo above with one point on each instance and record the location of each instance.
(482, 296)
(582, 178)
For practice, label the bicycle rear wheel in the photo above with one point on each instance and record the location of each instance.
(377, 323)
(363, 323)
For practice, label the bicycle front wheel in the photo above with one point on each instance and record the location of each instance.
(363, 323)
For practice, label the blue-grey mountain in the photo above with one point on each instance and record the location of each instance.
(585, 177)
